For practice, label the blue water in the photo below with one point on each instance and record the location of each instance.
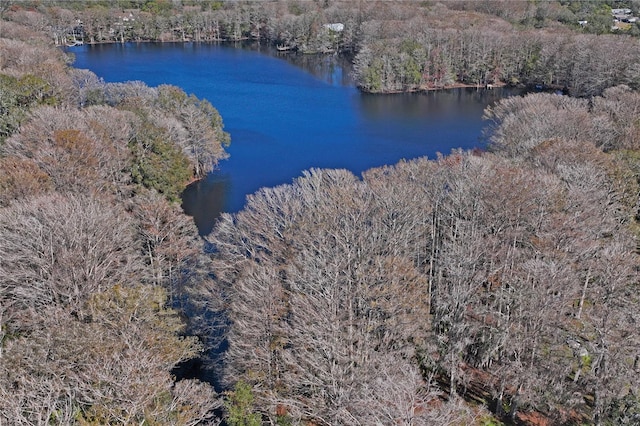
(288, 113)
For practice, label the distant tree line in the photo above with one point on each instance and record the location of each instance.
(578, 64)
(400, 45)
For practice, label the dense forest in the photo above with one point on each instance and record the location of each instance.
(96, 256)
(482, 287)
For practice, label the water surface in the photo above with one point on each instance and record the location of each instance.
(287, 113)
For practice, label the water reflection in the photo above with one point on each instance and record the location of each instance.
(332, 69)
(204, 200)
(335, 70)
(455, 103)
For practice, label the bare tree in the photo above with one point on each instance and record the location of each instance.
(168, 240)
(318, 298)
(20, 179)
(59, 249)
(107, 362)
(199, 130)
(519, 124)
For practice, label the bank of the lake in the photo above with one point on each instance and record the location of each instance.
(287, 113)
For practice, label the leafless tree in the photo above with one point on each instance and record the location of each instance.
(20, 179)
(107, 362)
(318, 298)
(519, 124)
(168, 240)
(59, 249)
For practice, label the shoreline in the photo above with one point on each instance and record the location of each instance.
(427, 89)
(421, 89)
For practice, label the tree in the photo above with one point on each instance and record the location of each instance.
(239, 405)
(82, 340)
(107, 362)
(20, 179)
(159, 164)
(168, 240)
(320, 301)
(86, 335)
(519, 124)
(200, 131)
(18, 95)
(82, 151)
(60, 249)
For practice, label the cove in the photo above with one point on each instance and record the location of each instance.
(287, 113)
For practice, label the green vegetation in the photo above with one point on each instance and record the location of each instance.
(158, 164)
(17, 96)
(239, 404)
(157, 7)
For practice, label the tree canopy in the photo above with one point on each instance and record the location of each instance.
(473, 288)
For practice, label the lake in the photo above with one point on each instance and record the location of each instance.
(287, 113)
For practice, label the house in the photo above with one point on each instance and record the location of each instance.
(621, 12)
(337, 27)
